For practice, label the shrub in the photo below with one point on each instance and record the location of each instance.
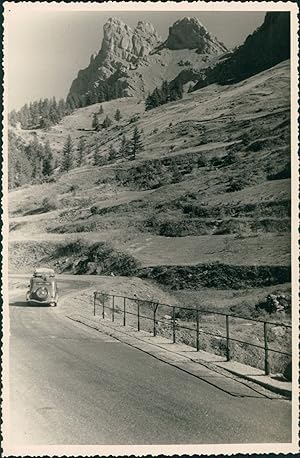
(97, 258)
(215, 161)
(134, 119)
(237, 184)
(230, 158)
(282, 174)
(107, 122)
(202, 161)
(74, 188)
(50, 203)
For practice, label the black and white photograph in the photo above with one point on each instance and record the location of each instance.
(150, 228)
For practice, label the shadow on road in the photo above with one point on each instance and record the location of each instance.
(27, 304)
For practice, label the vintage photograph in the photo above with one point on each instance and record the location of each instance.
(149, 214)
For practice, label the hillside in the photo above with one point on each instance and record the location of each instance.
(210, 192)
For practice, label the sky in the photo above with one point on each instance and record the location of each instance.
(44, 50)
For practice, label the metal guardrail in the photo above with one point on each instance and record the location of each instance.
(153, 306)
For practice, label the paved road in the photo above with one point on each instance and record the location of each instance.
(72, 385)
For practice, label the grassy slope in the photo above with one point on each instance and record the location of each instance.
(212, 123)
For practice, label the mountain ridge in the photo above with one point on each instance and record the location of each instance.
(129, 55)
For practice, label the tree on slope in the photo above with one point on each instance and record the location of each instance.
(124, 149)
(112, 153)
(136, 144)
(118, 115)
(97, 158)
(107, 122)
(67, 159)
(48, 160)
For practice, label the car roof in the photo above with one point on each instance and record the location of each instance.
(44, 271)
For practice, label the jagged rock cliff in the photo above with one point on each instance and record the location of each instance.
(120, 41)
(133, 62)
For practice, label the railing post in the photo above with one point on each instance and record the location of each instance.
(113, 309)
(138, 316)
(124, 312)
(174, 326)
(94, 303)
(197, 336)
(154, 319)
(103, 315)
(267, 364)
(227, 339)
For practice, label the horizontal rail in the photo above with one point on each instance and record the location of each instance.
(176, 324)
(212, 312)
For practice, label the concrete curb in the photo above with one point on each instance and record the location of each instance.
(268, 385)
(176, 357)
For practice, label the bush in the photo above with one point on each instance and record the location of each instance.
(99, 258)
(202, 161)
(237, 184)
(275, 303)
(215, 161)
(107, 122)
(50, 203)
(134, 119)
(74, 188)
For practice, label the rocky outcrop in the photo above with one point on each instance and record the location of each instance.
(189, 33)
(121, 50)
(134, 61)
(120, 41)
(266, 47)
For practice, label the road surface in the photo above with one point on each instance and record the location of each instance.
(73, 385)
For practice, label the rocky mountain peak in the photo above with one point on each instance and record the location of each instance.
(190, 33)
(133, 61)
(119, 40)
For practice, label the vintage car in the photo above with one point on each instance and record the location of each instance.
(43, 288)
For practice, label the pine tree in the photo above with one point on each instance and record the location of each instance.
(81, 146)
(97, 159)
(112, 154)
(67, 159)
(156, 97)
(95, 123)
(48, 160)
(13, 118)
(101, 110)
(149, 102)
(37, 170)
(118, 115)
(124, 147)
(175, 172)
(25, 118)
(34, 114)
(107, 122)
(136, 144)
(176, 91)
(165, 92)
